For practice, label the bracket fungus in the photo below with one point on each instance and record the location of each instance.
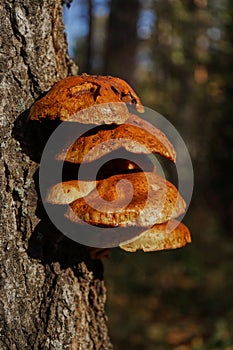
(151, 203)
(158, 237)
(70, 96)
(153, 200)
(135, 135)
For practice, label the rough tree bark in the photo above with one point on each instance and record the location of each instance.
(52, 293)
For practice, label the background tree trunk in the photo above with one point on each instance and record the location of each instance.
(122, 40)
(52, 293)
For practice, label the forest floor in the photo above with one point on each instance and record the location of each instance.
(179, 299)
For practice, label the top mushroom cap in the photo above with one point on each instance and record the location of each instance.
(74, 94)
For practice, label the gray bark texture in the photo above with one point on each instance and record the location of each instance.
(52, 294)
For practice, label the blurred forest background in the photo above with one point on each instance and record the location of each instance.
(178, 56)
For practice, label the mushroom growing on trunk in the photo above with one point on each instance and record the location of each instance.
(126, 195)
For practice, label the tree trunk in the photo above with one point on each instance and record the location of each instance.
(52, 293)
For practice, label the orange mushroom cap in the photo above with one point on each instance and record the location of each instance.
(68, 99)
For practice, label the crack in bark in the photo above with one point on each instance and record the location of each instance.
(7, 176)
(48, 301)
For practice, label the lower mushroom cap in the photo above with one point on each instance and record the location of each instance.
(151, 200)
(68, 191)
(136, 135)
(159, 237)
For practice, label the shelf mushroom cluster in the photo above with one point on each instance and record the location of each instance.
(153, 203)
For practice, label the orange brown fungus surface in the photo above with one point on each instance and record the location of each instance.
(158, 237)
(74, 94)
(135, 135)
(152, 200)
(152, 203)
